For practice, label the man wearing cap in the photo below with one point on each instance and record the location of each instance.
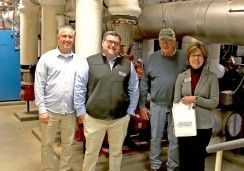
(161, 69)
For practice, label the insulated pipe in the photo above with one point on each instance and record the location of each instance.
(70, 9)
(147, 47)
(215, 20)
(50, 8)
(60, 19)
(70, 6)
(29, 33)
(214, 65)
(186, 41)
(124, 7)
(88, 27)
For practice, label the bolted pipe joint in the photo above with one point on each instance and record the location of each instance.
(124, 14)
(124, 25)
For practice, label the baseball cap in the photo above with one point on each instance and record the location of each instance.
(167, 33)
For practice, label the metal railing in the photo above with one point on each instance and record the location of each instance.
(220, 147)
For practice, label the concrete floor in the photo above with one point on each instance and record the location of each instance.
(20, 149)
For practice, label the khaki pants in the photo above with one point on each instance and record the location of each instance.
(67, 124)
(94, 130)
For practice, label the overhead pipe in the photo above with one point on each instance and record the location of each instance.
(217, 21)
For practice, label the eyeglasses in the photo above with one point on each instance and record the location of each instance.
(110, 42)
(196, 56)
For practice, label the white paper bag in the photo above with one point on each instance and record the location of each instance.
(184, 120)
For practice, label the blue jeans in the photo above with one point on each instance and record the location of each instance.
(158, 117)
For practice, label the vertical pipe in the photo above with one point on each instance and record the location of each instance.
(88, 27)
(218, 161)
(214, 65)
(61, 20)
(28, 33)
(147, 47)
(49, 26)
(39, 46)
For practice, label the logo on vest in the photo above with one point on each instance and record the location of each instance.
(122, 73)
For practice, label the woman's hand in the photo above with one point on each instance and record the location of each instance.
(188, 99)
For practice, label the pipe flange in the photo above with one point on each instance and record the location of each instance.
(123, 19)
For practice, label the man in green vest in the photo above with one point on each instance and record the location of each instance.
(105, 96)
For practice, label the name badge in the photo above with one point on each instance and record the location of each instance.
(187, 79)
(122, 73)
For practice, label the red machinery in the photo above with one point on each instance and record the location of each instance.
(27, 93)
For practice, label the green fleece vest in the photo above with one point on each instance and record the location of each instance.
(107, 90)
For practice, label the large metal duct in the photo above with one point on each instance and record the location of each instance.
(218, 21)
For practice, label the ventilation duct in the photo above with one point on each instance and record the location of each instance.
(214, 20)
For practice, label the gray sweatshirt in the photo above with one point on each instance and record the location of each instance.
(159, 77)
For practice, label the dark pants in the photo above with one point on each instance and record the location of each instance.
(193, 150)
